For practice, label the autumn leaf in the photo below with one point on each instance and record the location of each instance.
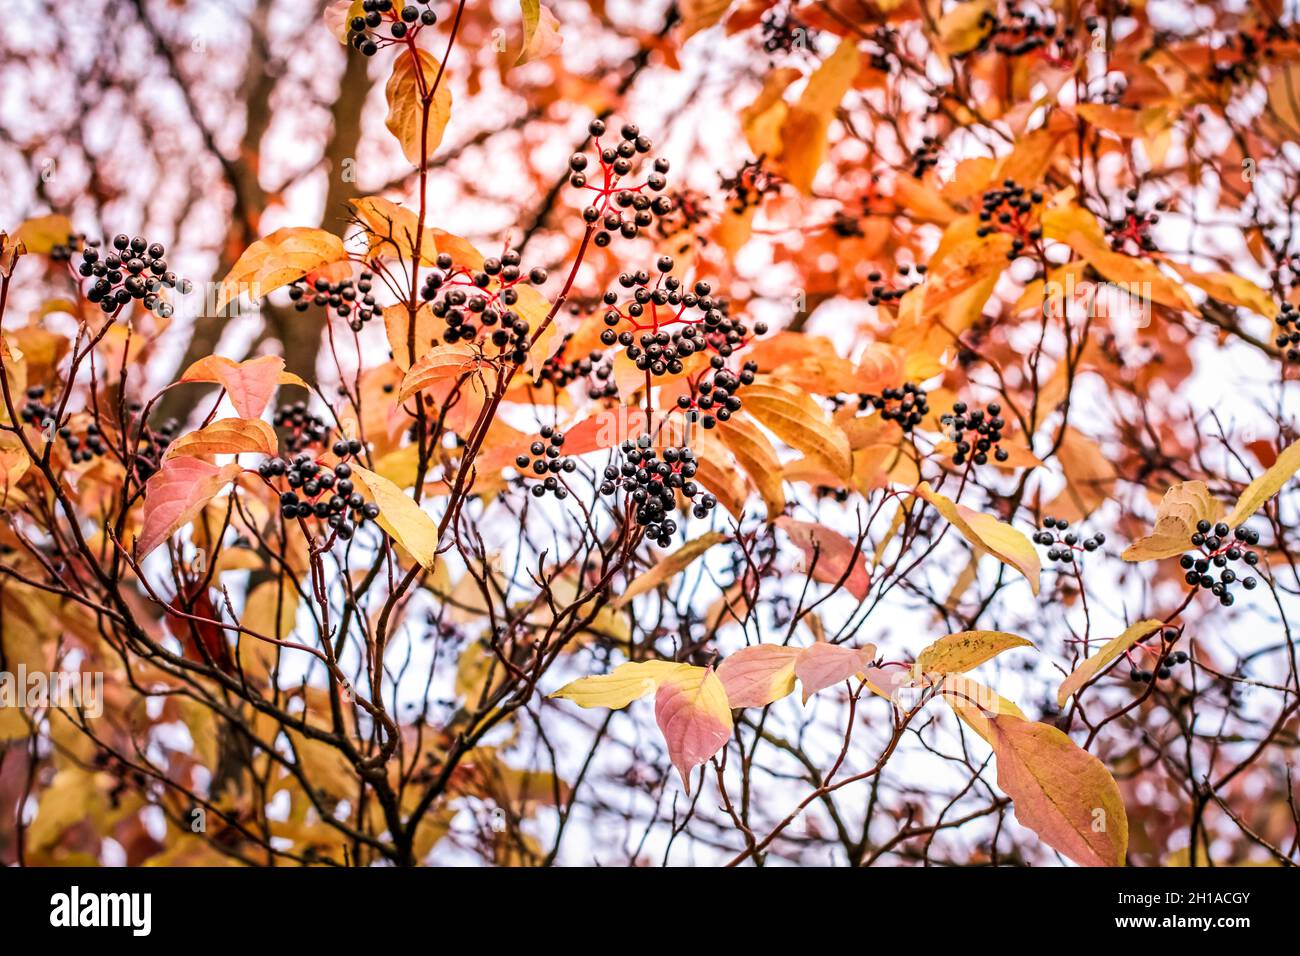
(399, 515)
(668, 568)
(541, 32)
(989, 534)
(974, 703)
(276, 260)
(831, 556)
(692, 712)
(42, 233)
(249, 384)
(757, 458)
(1110, 652)
(1184, 505)
(803, 134)
(1266, 485)
(439, 364)
(1062, 793)
(699, 15)
(795, 418)
(175, 496)
(966, 650)
(227, 436)
(419, 135)
(758, 675)
(621, 686)
(823, 665)
(964, 26)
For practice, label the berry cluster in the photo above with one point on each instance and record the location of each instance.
(715, 400)
(985, 423)
(1288, 336)
(363, 29)
(1252, 47)
(478, 305)
(1216, 550)
(783, 32)
(561, 370)
(135, 269)
(340, 296)
(302, 428)
(1023, 33)
(748, 185)
(616, 208)
(35, 412)
(152, 446)
(1063, 543)
(925, 156)
(892, 291)
(699, 319)
(1133, 228)
(1140, 675)
(655, 478)
(305, 473)
(1010, 209)
(906, 405)
(547, 460)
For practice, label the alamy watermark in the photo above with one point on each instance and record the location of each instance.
(34, 690)
(1097, 298)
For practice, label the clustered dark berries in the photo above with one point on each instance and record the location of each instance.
(652, 480)
(81, 448)
(311, 483)
(925, 156)
(544, 460)
(341, 296)
(883, 290)
(364, 30)
(1023, 33)
(1010, 209)
(135, 269)
(1288, 336)
(906, 405)
(986, 424)
(152, 446)
(746, 187)
(698, 321)
(1216, 550)
(1251, 46)
(783, 32)
(562, 369)
(481, 305)
(617, 208)
(715, 400)
(1141, 675)
(301, 428)
(1063, 543)
(1132, 230)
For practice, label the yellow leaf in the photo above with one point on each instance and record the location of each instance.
(984, 531)
(404, 520)
(757, 457)
(227, 436)
(1109, 653)
(1266, 485)
(43, 233)
(1232, 289)
(803, 134)
(965, 26)
(975, 704)
(278, 259)
(801, 423)
(419, 135)
(1062, 793)
(699, 15)
(668, 567)
(621, 686)
(966, 650)
(1184, 505)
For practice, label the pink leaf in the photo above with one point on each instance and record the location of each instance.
(175, 496)
(249, 384)
(836, 556)
(756, 676)
(822, 665)
(693, 714)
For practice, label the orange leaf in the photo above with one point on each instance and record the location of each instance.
(228, 436)
(249, 384)
(832, 557)
(176, 494)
